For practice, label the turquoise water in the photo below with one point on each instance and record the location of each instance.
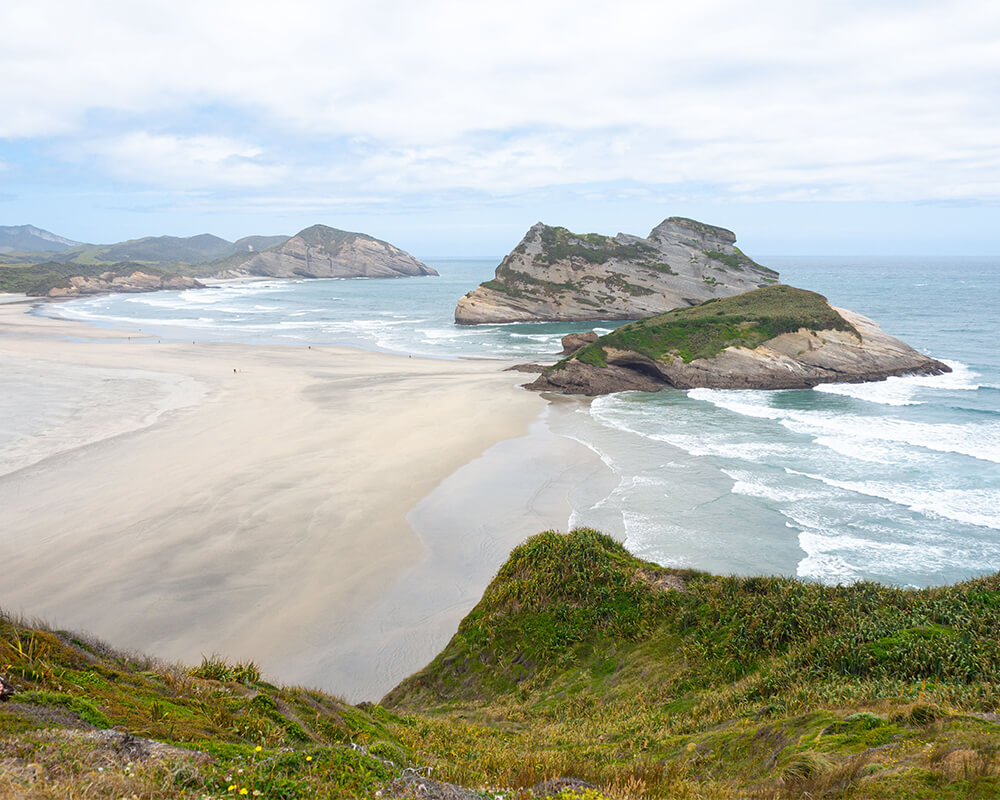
(897, 481)
(402, 315)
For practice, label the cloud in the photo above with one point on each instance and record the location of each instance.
(854, 100)
(184, 161)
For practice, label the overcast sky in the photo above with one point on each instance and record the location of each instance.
(450, 127)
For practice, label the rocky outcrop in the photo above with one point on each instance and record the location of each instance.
(650, 355)
(554, 274)
(572, 342)
(113, 282)
(323, 252)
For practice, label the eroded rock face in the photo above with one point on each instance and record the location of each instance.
(798, 360)
(134, 282)
(572, 342)
(323, 252)
(554, 274)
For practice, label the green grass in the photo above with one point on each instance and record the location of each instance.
(38, 279)
(285, 742)
(705, 330)
(738, 260)
(560, 244)
(580, 660)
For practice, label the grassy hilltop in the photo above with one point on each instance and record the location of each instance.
(580, 661)
(705, 330)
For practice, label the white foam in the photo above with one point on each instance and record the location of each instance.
(900, 391)
(980, 507)
(860, 436)
(755, 485)
(646, 537)
(747, 403)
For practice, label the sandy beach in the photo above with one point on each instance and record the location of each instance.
(330, 513)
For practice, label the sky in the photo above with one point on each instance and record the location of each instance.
(448, 128)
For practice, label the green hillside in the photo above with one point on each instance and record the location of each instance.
(581, 661)
(705, 330)
(37, 279)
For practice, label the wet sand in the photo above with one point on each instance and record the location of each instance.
(257, 501)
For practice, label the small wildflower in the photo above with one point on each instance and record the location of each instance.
(243, 791)
(232, 787)
(257, 749)
(309, 758)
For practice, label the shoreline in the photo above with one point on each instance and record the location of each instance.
(267, 516)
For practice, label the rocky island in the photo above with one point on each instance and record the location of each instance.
(777, 337)
(557, 275)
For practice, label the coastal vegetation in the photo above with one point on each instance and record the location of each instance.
(580, 661)
(559, 243)
(315, 252)
(702, 331)
(39, 279)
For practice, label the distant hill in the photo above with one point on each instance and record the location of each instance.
(165, 249)
(324, 252)
(315, 252)
(254, 244)
(26, 244)
(29, 239)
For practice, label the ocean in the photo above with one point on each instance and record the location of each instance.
(897, 481)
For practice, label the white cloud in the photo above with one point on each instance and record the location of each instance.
(841, 100)
(184, 161)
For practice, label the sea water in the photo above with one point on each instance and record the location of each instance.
(896, 481)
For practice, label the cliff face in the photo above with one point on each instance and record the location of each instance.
(774, 338)
(133, 282)
(554, 274)
(323, 252)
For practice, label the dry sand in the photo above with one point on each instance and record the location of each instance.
(163, 501)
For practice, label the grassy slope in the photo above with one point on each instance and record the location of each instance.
(703, 331)
(577, 662)
(282, 742)
(580, 660)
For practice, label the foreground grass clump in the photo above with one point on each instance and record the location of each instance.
(704, 331)
(581, 659)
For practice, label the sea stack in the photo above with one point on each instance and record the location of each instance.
(557, 275)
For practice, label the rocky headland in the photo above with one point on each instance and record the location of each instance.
(324, 252)
(117, 282)
(557, 275)
(777, 337)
